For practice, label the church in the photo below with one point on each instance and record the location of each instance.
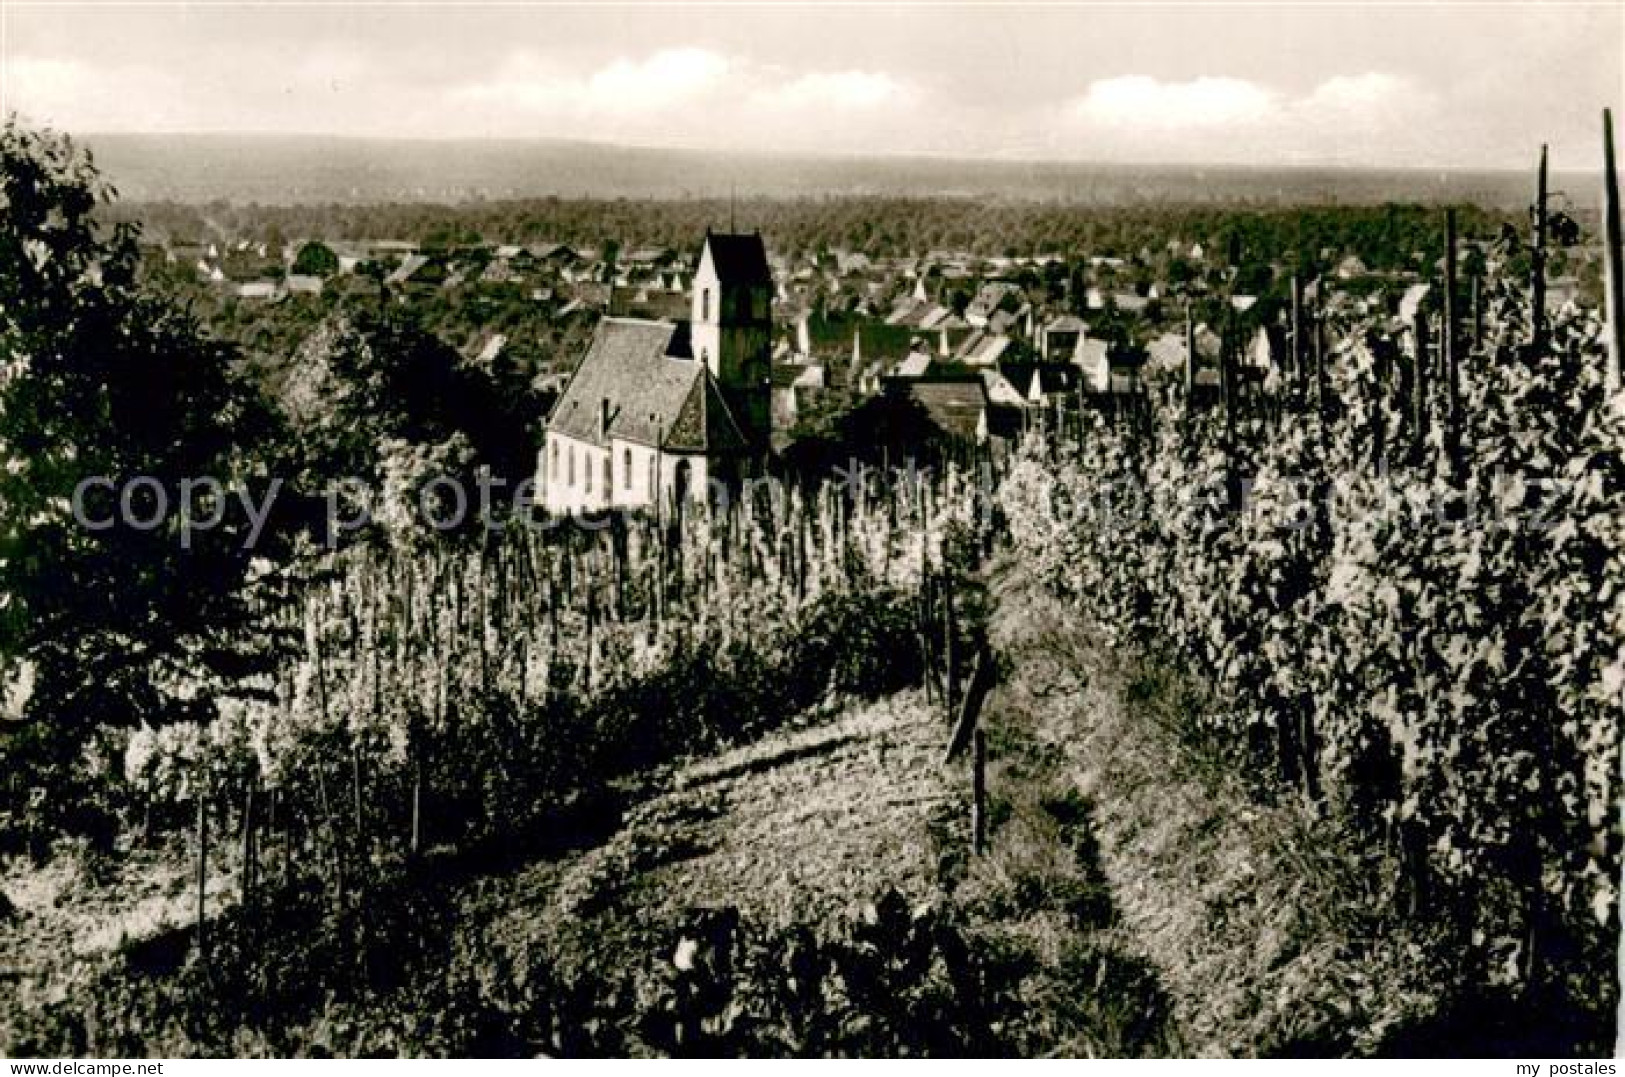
(658, 410)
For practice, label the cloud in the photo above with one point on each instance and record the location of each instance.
(666, 78)
(1363, 117)
(687, 95)
(1141, 100)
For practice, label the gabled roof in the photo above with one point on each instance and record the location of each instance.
(657, 394)
(1066, 323)
(954, 404)
(739, 259)
(917, 365)
(704, 423)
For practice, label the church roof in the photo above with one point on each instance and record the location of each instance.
(738, 258)
(657, 394)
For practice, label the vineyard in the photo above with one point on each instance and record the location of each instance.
(442, 694)
(1401, 575)
(447, 709)
(693, 779)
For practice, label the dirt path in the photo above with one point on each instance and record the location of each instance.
(1257, 919)
(793, 828)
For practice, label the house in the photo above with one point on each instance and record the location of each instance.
(1111, 370)
(794, 386)
(1036, 385)
(658, 410)
(917, 364)
(1059, 337)
(648, 302)
(982, 348)
(1001, 389)
(418, 270)
(952, 405)
(1091, 357)
(991, 298)
(303, 284)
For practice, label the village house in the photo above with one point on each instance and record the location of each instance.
(1059, 337)
(659, 409)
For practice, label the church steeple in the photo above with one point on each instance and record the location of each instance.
(732, 322)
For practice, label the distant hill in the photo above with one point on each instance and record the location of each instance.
(282, 169)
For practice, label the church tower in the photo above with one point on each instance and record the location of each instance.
(732, 327)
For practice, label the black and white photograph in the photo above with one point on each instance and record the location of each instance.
(811, 530)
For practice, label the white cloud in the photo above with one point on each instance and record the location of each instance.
(1140, 100)
(687, 95)
(1361, 118)
(1356, 93)
(668, 77)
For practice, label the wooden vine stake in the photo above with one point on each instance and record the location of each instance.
(1419, 383)
(202, 868)
(950, 687)
(1227, 390)
(1297, 328)
(1614, 300)
(1537, 265)
(1615, 279)
(1190, 363)
(978, 808)
(1451, 345)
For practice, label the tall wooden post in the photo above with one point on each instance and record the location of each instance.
(1297, 328)
(250, 846)
(978, 808)
(1450, 344)
(1227, 390)
(1317, 331)
(950, 629)
(1615, 299)
(1419, 383)
(1537, 265)
(1478, 312)
(202, 867)
(1190, 357)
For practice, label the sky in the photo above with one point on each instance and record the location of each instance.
(1374, 83)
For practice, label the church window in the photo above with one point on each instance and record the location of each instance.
(586, 473)
(705, 304)
(609, 483)
(572, 466)
(626, 469)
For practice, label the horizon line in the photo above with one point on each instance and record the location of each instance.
(939, 156)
